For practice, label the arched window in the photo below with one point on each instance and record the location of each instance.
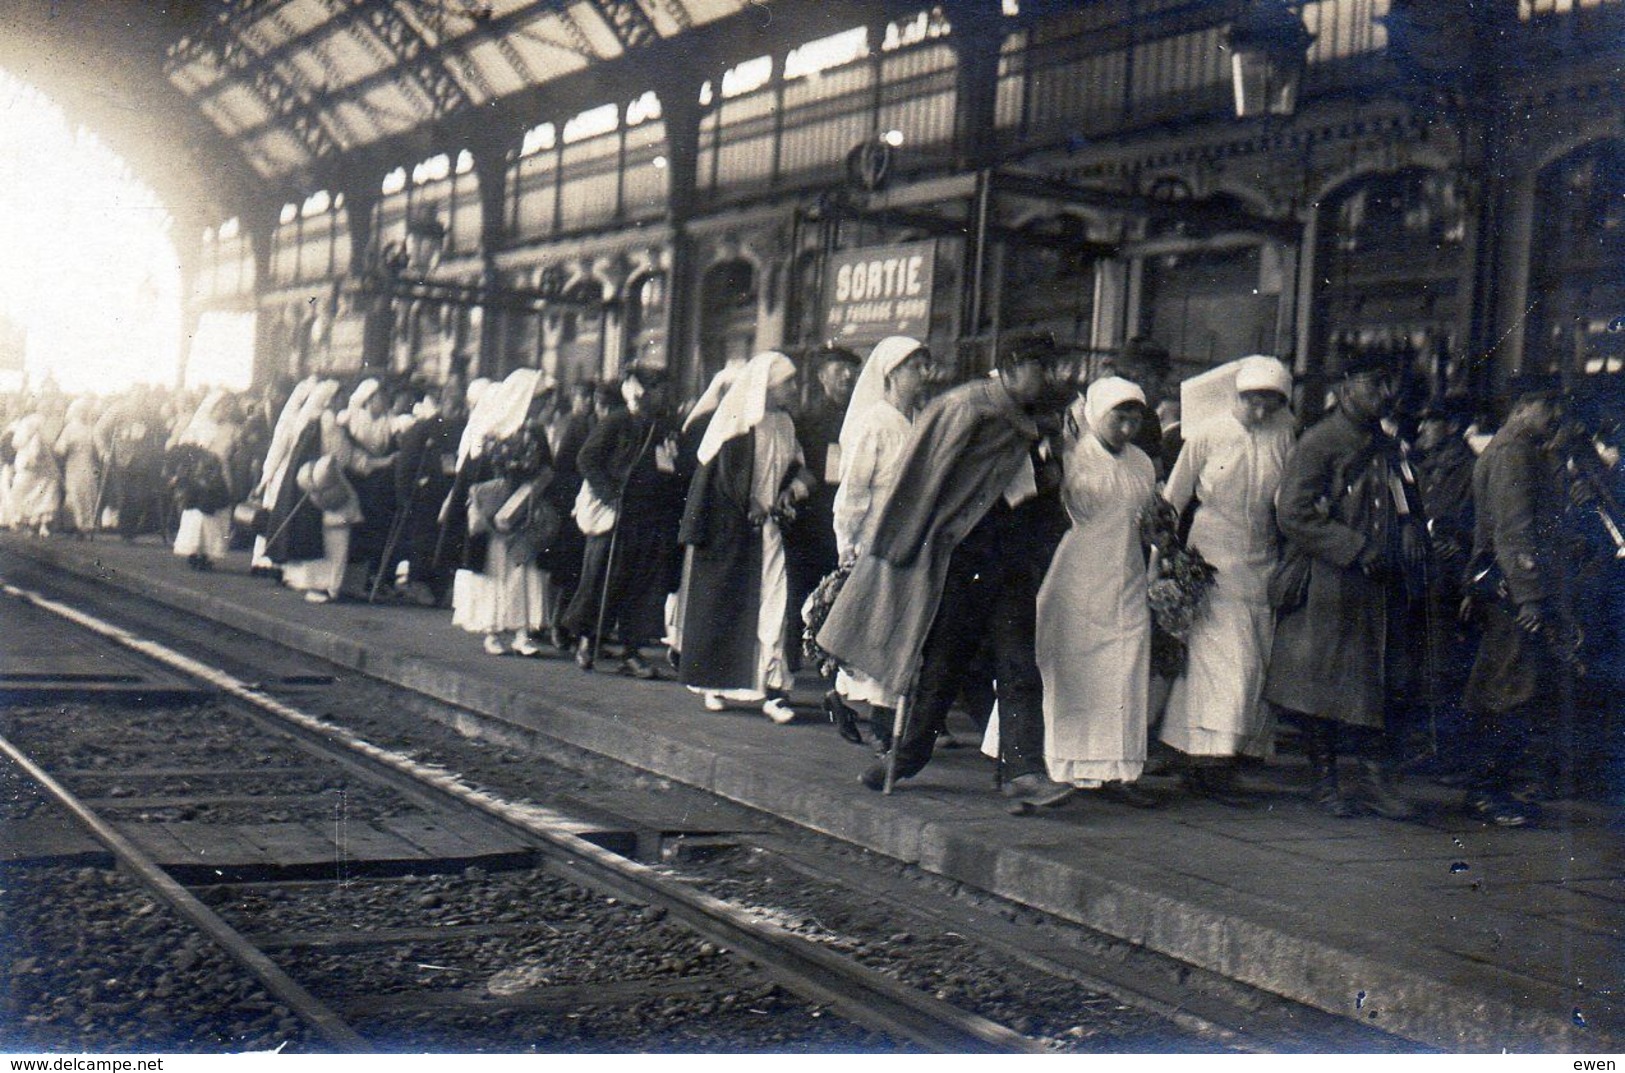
(1047, 286)
(1388, 265)
(1577, 264)
(727, 315)
(646, 320)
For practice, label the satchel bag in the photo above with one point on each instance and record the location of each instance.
(485, 498)
(511, 515)
(592, 515)
(1289, 581)
(250, 516)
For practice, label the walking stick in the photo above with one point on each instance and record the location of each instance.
(899, 724)
(283, 525)
(614, 537)
(397, 526)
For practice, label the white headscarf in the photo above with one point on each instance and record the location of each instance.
(372, 432)
(205, 427)
(870, 389)
(1107, 395)
(714, 392)
(499, 412)
(745, 404)
(1262, 373)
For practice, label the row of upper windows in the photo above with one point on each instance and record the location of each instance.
(809, 61)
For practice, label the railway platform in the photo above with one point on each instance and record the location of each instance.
(1444, 930)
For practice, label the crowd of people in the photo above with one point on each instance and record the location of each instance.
(1103, 587)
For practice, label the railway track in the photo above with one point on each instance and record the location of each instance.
(365, 815)
(1050, 984)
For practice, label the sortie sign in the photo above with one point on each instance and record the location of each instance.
(879, 291)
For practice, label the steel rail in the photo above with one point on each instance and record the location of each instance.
(316, 1013)
(857, 992)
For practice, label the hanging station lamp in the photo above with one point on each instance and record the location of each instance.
(1269, 47)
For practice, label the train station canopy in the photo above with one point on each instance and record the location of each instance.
(295, 81)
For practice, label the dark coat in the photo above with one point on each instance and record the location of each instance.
(810, 540)
(294, 525)
(965, 449)
(620, 461)
(725, 577)
(423, 480)
(1336, 656)
(1444, 479)
(1520, 529)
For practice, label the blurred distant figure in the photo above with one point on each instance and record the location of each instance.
(81, 473)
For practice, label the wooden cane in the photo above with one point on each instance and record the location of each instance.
(899, 724)
(614, 535)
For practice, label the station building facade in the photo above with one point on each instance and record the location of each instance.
(1448, 185)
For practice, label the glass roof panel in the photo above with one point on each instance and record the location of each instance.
(665, 14)
(546, 48)
(389, 109)
(279, 149)
(267, 32)
(219, 116)
(244, 107)
(600, 35)
(304, 16)
(305, 69)
(350, 55)
(355, 118)
(499, 73)
(704, 11)
(194, 77)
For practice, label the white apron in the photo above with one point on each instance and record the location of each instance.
(1214, 708)
(1094, 626)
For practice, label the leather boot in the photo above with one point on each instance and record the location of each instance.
(1324, 791)
(1377, 792)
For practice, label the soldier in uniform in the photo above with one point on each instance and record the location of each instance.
(1343, 658)
(1444, 480)
(1518, 551)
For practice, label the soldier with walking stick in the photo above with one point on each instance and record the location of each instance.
(630, 465)
(954, 555)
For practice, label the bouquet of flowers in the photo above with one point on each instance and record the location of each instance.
(814, 611)
(518, 457)
(1180, 583)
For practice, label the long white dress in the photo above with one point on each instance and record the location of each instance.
(1094, 625)
(1214, 708)
(510, 594)
(868, 472)
(776, 452)
(76, 446)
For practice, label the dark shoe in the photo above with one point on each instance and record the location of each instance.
(882, 721)
(874, 776)
(1500, 810)
(560, 638)
(584, 653)
(1377, 792)
(674, 659)
(638, 667)
(1037, 790)
(844, 718)
(1218, 785)
(1126, 793)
